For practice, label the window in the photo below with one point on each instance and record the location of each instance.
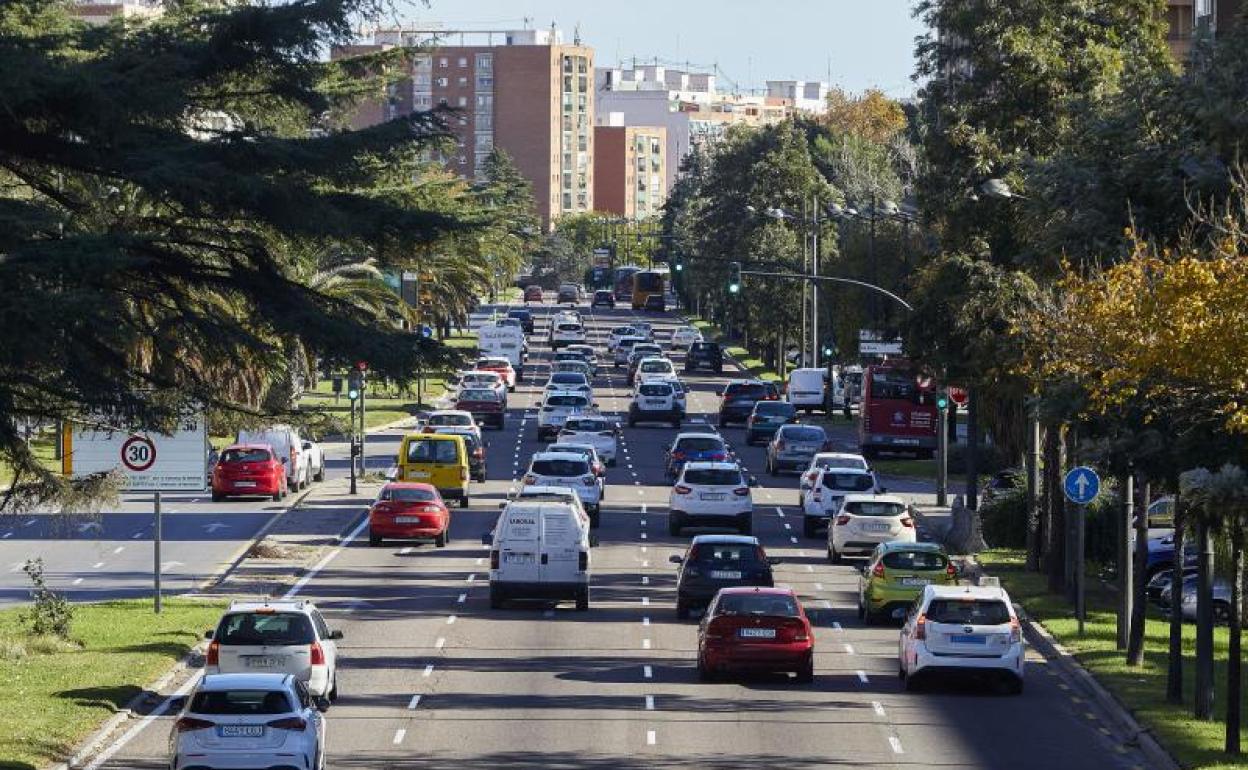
(442, 101)
(442, 62)
(582, 84)
(485, 61)
(444, 82)
(463, 102)
(432, 451)
(484, 143)
(774, 605)
(463, 61)
(923, 560)
(582, 65)
(241, 702)
(463, 82)
(567, 201)
(275, 629)
(485, 120)
(975, 612)
(422, 79)
(422, 63)
(485, 82)
(408, 495)
(567, 64)
(485, 101)
(848, 482)
(463, 160)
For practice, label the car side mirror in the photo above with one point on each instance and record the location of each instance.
(675, 559)
(753, 481)
(321, 703)
(487, 538)
(209, 634)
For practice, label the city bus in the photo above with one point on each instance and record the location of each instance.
(624, 282)
(898, 411)
(647, 283)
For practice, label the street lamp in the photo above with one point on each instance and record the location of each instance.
(810, 226)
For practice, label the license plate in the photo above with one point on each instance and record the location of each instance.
(876, 526)
(968, 638)
(406, 519)
(712, 495)
(517, 558)
(653, 402)
(915, 581)
(240, 731)
(418, 475)
(725, 574)
(758, 633)
(264, 661)
(245, 484)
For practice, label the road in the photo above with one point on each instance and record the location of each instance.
(431, 677)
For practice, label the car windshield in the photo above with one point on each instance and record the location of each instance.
(623, 331)
(656, 389)
(804, 434)
(478, 395)
(968, 612)
(408, 495)
(246, 456)
(432, 451)
(769, 408)
(699, 444)
(265, 628)
(848, 482)
(566, 401)
(450, 419)
(917, 560)
(865, 508)
(742, 553)
(775, 605)
(714, 477)
(559, 467)
(241, 702)
(893, 385)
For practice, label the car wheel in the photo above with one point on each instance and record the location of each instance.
(217, 497)
(682, 610)
(862, 611)
(582, 600)
(806, 674)
(333, 688)
(373, 540)
(808, 527)
(704, 672)
(463, 501)
(912, 682)
(746, 525)
(673, 526)
(320, 473)
(440, 540)
(833, 556)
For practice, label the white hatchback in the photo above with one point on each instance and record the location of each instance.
(563, 381)
(566, 332)
(556, 408)
(565, 469)
(865, 521)
(619, 333)
(964, 630)
(598, 432)
(711, 494)
(287, 637)
(828, 460)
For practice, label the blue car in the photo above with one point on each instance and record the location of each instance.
(695, 447)
(1161, 554)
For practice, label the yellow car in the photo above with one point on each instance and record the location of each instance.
(439, 459)
(896, 574)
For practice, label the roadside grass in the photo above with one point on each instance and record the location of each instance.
(54, 694)
(1194, 743)
(910, 468)
(44, 447)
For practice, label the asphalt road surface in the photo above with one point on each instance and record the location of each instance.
(431, 677)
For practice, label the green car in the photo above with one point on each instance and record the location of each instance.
(896, 574)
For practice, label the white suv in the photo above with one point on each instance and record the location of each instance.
(969, 629)
(654, 401)
(711, 494)
(656, 368)
(823, 500)
(865, 521)
(277, 637)
(567, 469)
(569, 381)
(566, 332)
(556, 408)
(598, 432)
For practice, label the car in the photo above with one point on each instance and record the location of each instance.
(439, 459)
(1001, 483)
(828, 460)
(484, 404)
(586, 353)
(476, 450)
(585, 450)
(567, 469)
(623, 349)
(655, 304)
(895, 575)
(533, 294)
(694, 447)
(805, 389)
(557, 407)
(684, 336)
(711, 494)
(524, 316)
(595, 431)
(603, 298)
(704, 355)
(577, 366)
(865, 521)
(480, 378)
(315, 455)
(738, 398)
(962, 630)
(565, 495)
(509, 321)
(1161, 554)
(793, 447)
(619, 333)
(500, 366)
(405, 510)
(566, 331)
(766, 418)
(713, 562)
(248, 470)
(287, 447)
(756, 629)
(654, 401)
(450, 418)
(1158, 589)
(823, 500)
(249, 720)
(644, 329)
(577, 382)
(1221, 599)
(276, 637)
(568, 293)
(539, 550)
(652, 368)
(641, 351)
(682, 393)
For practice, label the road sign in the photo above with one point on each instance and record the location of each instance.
(426, 331)
(147, 460)
(602, 257)
(138, 453)
(958, 396)
(880, 348)
(1081, 485)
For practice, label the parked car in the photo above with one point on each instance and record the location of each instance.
(603, 298)
(288, 446)
(247, 470)
(950, 629)
(533, 294)
(409, 511)
(276, 637)
(756, 629)
(713, 562)
(704, 355)
(895, 576)
(711, 494)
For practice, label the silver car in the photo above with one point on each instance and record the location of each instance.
(794, 446)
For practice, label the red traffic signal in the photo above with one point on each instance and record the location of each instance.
(361, 365)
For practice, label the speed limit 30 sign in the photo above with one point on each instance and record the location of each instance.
(138, 453)
(146, 460)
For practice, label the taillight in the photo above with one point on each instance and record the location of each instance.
(920, 627)
(316, 654)
(906, 521)
(678, 455)
(951, 571)
(681, 489)
(214, 653)
(741, 491)
(478, 452)
(187, 724)
(289, 723)
(842, 520)
(878, 570)
(494, 559)
(582, 563)
(1016, 631)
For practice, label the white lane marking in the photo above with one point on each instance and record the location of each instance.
(643, 549)
(17, 566)
(119, 549)
(645, 563)
(650, 737)
(818, 586)
(643, 535)
(428, 670)
(645, 601)
(647, 672)
(645, 581)
(643, 522)
(77, 581)
(896, 744)
(140, 726)
(836, 625)
(136, 536)
(8, 535)
(450, 620)
(779, 511)
(97, 565)
(786, 525)
(793, 540)
(645, 621)
(413, 703)
(809, 568)
(862, 677)
(472, 577)
(440, 643)
(849, 649)
(398, 736)
(323, 563)
(462, 598)
(645, 644)
(643, 510)
(480, 561)
(405, 551)
(879, 708)
(827, 605)
(29, 522)
(649, 703)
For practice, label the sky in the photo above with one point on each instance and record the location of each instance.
(853, 44)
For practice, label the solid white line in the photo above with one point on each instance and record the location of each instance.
(786, 525)
(98, 564)
(139, 726)
(649, 703)
(650, 737)
(77, 581)
(398, 736)
(323, 563)
(413, 703)
(440, 643)
(647, 672)
(862, 677)
(779, 511)
(450, 620)
(879, 708)
(645, 644)
(849, 649)
(428, 670)
(462, 598)
(896, 744)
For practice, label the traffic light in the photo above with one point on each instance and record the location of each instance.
(355, 384)
(942, 401)
(734, 278)
(680, 266)
(829, 351)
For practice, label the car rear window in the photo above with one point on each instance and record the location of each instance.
(773, 605)
(560, 467)
(623, 331)
(848, 482)
(408, 495)
(746, 390)
(720, 477)
(968, 612)
(919, 560)
(241, 702)
(699, 444)
(775, 407)
(478, 395)
(720, 552)
(565, 378)
(865, 508)
(491, 363)
(450, 419)
(587, 425)
(842, 462)
(645, 348)
(431, 451)
(704, 347)
(570, 449)
(566, 401)
(246, 456)
(469, 439)
(519, 314)
(265, 628)
(656, 366)
(656, 389)
(805, 433)
(569, 327)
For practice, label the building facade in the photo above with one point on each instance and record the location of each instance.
(1186, 19)
(630, 169)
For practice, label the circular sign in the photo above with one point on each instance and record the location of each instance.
(958, 396)
(1081, 485)
(138, 453)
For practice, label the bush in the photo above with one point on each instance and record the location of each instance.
(50, 614)
(1005, 522)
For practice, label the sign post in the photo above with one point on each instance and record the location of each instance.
(1081, 486)
(158, 534)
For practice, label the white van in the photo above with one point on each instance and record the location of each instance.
(539, 551)
(289, 448)
(503, 342)
(805, 389)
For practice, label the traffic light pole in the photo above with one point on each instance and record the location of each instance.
(351, 446)
(942, 456)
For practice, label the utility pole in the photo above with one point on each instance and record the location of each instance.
(814, 289)
(942, 449)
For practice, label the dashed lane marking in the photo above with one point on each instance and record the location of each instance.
(645, 581)
(472, 577)
(645, 621)
(428, 670)
(849, 649)
(818, 586)
(97, 565)
(462, 598)
(650, 738)
(862, 677)
(440, 643)
(398, 736)
(836, 625)
(896, 744)
(793, 540)
(413, 703)
(649, 703)
(647, 672)
(645, 644)
(77, 581)
(879, 708)
(451, 620)
(645, 601)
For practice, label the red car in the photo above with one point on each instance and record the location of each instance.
(500, 365)
(407, 510)
(248, 470)
(485, 405)
(756, 629)
(532, 293)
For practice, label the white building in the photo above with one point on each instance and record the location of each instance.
(806, 95)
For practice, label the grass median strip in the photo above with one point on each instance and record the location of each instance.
(54, 693)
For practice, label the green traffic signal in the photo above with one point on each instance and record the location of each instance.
(942, 403)
(353, 394)
(734, 281)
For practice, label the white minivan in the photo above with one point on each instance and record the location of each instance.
(805, 389)
(289, 448)
(539, 551)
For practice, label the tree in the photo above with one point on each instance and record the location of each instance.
(871, 116)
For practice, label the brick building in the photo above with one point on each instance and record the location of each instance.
(630, 169)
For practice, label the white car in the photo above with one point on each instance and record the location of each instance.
(828, 460)
(585, 450)
(562, 381)
(972, 630)
(557, 407)
(552, 495)
(249, 720)
(654, 401)
(823, 500)
(565, 469)
(316, 457)
(682, 394)
(451, 418)
(656, 368)
(711, 494)
(644, 329)
(685, 336)
(276, 637)
(481, 379)
(587, 354)
(865, 521)
(624, 348)
(598, 432)
(619, 333)
(566, 332)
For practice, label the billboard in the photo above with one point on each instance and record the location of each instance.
(148, 461)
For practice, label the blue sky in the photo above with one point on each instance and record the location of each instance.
(863, 43)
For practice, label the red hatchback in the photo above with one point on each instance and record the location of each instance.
(248, 470)
(756, 629)
(409, 511)
(532, 293)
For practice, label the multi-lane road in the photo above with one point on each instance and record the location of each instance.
(431, 677)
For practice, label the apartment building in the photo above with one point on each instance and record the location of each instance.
(630, 168)
(1185, 19)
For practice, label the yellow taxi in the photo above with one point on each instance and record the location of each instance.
(438, 459)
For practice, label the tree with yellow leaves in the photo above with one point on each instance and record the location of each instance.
(870, 115)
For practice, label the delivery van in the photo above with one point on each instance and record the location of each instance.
(440, 459)
(806, 389)
(539, 551)
(503, 342)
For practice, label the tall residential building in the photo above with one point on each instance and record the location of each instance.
(630, 169)
(524, 91)
(99, 14)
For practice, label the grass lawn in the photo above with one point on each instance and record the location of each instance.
(918, 469)
(1193, 743)
(44, 446)
(54, 695)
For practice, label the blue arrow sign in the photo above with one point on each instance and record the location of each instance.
(1081, 485)
(426, 331)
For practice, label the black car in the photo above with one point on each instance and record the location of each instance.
(740, 396)
(603, 298)
(655, 303)
(525, 317)
(719, 561)
(705, 355)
